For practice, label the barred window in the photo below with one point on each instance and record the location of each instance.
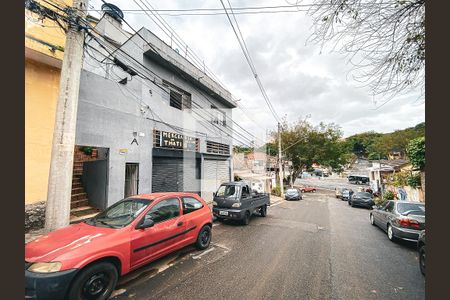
(218, 148)
(179, 98)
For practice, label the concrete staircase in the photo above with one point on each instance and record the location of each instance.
(79, 203)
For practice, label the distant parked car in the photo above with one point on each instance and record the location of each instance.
(363, 199)
(293, 194)
(346, 194)
(338, 192)
(307, 189)
(400, 219)
(84, 260)
(421, 247)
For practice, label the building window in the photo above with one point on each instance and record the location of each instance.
(176, 100)
(212, 147)
(218, 116)
(179, 98)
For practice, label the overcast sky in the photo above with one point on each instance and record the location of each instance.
(298, 78)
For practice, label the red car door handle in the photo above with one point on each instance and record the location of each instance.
(180, 223)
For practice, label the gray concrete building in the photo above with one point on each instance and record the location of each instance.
(156, 122)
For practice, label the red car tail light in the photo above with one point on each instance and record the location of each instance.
(408, 223)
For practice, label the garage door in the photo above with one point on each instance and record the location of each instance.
(175, 175)
(216, 173)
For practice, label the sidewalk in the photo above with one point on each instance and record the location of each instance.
(275, 199)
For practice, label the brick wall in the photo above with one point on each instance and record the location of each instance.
(81, 156)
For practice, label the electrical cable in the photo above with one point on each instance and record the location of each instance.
(144, 77)
(151, 46)
(250, 63)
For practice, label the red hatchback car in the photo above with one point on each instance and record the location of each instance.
(84, 260)
(307, 189)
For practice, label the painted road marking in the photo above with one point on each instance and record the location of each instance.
(117, 292)
(222, 246)
(203, 253)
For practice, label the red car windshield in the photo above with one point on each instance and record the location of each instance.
(121, 213)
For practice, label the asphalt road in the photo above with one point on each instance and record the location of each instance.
(327, 183)
(317, 248)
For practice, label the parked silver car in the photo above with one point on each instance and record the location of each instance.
(400, 219)
(293, 194)
(421, 248)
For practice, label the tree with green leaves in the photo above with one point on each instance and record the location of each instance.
(305, 144)
(375, 145)
(242, 149)
(416, 153)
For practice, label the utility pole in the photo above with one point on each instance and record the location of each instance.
(280, 165)
(57, 213)
(292, 180)
(381, 179)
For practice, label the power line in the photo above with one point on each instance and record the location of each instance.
(181, 43)
(114, 61)
(194, 103)
(178, 40)
(227, 117)
(137, 33)
(176, 128)
(237, 9)
(250, 62)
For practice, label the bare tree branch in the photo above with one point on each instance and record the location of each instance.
(384, 40)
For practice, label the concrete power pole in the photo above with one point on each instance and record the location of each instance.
(280, 165)
(381, 179)
(57, 213)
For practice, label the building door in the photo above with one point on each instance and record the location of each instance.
(131, 179)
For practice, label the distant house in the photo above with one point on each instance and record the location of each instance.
(384, 171)
(252, 168)
(259, 170)
(394, 155)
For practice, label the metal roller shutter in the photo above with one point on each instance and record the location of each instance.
(209, 179)
(164, 174)
(223, 172)
(216, 172)
(190, 175)
(175, 175)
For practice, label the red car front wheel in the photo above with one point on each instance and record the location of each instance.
(96, 281)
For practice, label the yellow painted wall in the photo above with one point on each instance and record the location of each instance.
(45, 30)
(41, 92)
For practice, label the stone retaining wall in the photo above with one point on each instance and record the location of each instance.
(34, 216)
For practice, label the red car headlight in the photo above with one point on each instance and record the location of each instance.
(45, 267)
